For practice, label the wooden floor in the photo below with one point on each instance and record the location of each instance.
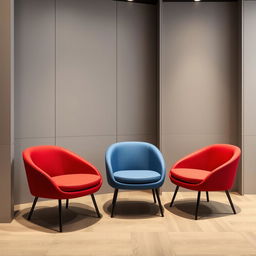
(137, 228)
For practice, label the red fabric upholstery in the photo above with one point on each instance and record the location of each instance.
(189, 175)
(44, 163)
(74, 182)
(215, 165)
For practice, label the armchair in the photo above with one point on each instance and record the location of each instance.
(135, 166)
(56, 173)
(212, 168)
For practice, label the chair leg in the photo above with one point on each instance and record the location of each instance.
(230, 201)
(159, 202)
(197, 204)
(32, 208)
(154, 196)
(67, 202)
(60, 217)
(114, 202)
(95, 205)
(207, 196)
(174, 195)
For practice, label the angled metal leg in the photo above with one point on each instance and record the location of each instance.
(154, 196)
(114, 202)
(197, 204)
(174, 195)
(32, 208)
(95, 205)
(230, 201)
(207, 196)
(67, 202)
(159, 202)
(60, 217)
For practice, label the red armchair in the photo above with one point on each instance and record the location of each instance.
(56, 173)
(212, 168)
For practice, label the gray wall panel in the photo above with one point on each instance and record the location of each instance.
(137, 68)
(5, 72)
(139, 137)
(86, 68)
(249, 68)
(199, 88)
(6, 200)
(34, 68)
(249, 164)
(6, 83)
(249, 92)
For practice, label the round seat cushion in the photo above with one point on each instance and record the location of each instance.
(137, 176)
(193, 176)
(75, 182)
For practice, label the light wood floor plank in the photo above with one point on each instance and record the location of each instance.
(137, 228)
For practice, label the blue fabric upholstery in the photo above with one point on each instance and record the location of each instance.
(134, 165)
(137, 176)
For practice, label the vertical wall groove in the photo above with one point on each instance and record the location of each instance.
(242, 96)
(116, 3)
(55, 72)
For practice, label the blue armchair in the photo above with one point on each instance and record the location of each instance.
(135, 166)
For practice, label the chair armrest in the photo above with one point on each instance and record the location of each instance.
(40, 183)
(222, 178)
(109, 169)
(75, 164)
(157, 161)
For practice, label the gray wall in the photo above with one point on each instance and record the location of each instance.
(34, 83)
(84, 78)
(249, 92)
(136, 59)
(199, 77)
(6, 80)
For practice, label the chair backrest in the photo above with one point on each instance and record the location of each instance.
(223, 161)
(133, 156)
(50, 159)
(220, 154)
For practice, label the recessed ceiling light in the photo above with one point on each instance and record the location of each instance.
(197, 0)
(130, 0)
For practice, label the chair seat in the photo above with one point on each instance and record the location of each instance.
(137, 176)
(193, 176)
(75, 182)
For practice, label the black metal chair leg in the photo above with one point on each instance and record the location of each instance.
(114, 202)
(95, 205)
(32, 208)
(230, 201)
(67, 202)
(174, 195)
(154, 196)
(197, 204)
(159, 202)
(60, 217)
(207, 196)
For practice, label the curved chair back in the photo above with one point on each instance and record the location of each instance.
(44, 162)
(50, 159)
(223, 162)
(41, 163)
(134, 156)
